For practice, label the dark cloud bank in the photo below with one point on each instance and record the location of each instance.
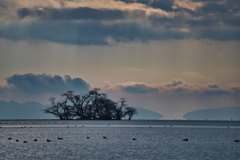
(138, 88)
(81, 13)
(43, 83)
(86, 26)
(178, 87)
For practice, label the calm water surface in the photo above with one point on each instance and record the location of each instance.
(154, 140)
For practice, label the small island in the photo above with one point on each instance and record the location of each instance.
(91, 106)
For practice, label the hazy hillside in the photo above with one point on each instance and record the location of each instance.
(223, 113)
(33, 110)
(146, 114)
(27, 110)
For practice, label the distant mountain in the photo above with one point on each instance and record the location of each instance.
(223, 113)
(27, 110)
(33, 110)
(146, 114)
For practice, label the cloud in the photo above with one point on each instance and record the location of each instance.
(85, 33)
(43, 84)
(81, 13)
(187, 4)
(139, 88)
(213, 85)
(235, 87)
(96, 22)
(214, 7)
(174, 83)
(175, 87)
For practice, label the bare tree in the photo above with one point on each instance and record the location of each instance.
(119, 113)
(130, 111)
(60, 109)
(94, 105)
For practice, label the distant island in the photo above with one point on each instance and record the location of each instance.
(223, 113)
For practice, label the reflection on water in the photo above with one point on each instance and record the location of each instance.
(154, 139)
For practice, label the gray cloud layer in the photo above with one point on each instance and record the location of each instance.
(43, 83)
(81, 13)
(83, 33)
(141, 21)
(138, 88)
(176, 87)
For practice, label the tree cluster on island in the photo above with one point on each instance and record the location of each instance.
(91, 106)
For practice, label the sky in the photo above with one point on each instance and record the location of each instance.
(169, 56)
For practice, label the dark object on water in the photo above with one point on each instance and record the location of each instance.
(59, 138)
(48, 140)
(185, 139)
(9, 138)
(236, 141)
(88, 137)
(134, 139)
(35, 140)
(17, 140)
(24, 141)
(104, 137)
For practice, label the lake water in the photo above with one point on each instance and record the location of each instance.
(159, 139)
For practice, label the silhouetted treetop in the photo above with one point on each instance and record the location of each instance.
(94, 105)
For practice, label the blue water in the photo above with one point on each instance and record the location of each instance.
(154, 140)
